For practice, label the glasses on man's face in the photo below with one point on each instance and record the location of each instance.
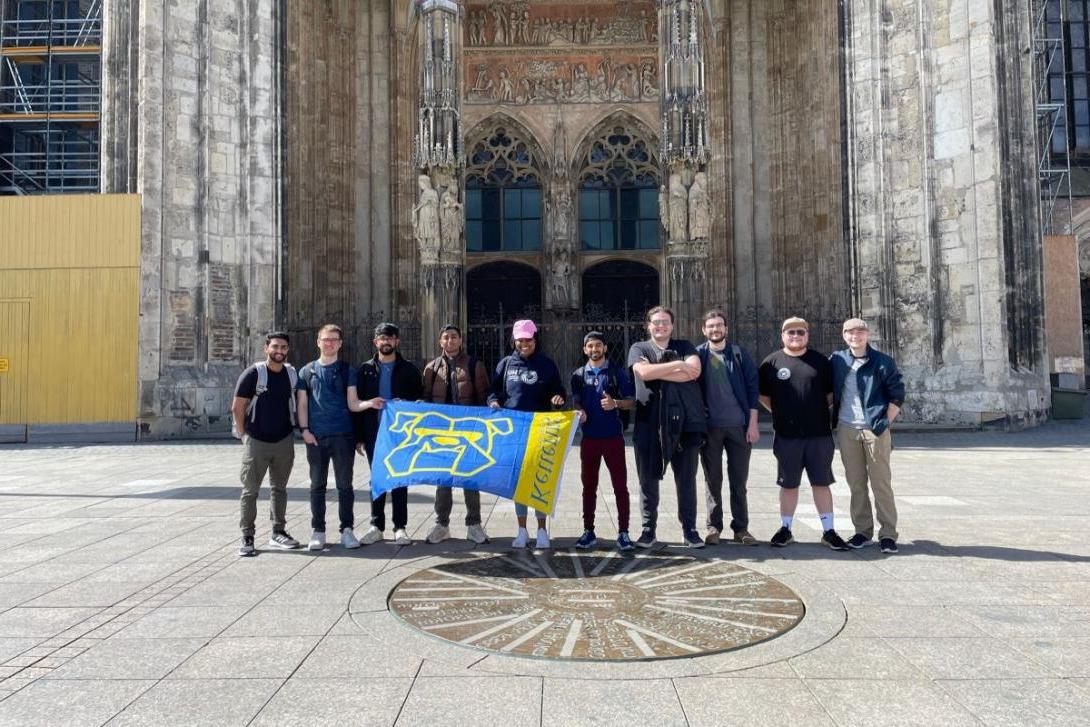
(797, 332)
(662, 322)
(329, 340)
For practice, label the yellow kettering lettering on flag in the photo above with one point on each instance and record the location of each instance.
(546, 447)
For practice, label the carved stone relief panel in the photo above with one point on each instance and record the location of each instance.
(561, 52)
(507, 23)
(552, 77)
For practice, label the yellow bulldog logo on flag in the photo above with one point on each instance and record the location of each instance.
(513, 454)
(435, 442)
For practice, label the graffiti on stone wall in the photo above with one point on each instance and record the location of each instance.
(592, 79)
(521, 23)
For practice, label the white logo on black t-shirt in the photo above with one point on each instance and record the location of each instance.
(783, 374)
(528, 377)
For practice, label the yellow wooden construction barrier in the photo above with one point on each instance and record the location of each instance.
(69, 310)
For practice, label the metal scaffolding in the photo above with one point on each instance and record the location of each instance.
(1050, 96)
(50, 95)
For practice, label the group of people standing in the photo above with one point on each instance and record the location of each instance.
(692, 405)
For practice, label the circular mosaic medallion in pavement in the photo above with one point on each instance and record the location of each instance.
(597, 605)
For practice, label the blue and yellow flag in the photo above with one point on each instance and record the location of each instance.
(514, 454)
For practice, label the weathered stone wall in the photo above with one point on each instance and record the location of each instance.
(943, 218)
(191, 117)
(782, 243)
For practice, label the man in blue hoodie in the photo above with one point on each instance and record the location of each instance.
(867, 396)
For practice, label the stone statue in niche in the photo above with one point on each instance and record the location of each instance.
(700, 208)
(426, 221)
(664, 208)
(562, 218)
(679, 209)
(560, 282)
(453, 222)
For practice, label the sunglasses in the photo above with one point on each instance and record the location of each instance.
(797, 332)
(661, 322)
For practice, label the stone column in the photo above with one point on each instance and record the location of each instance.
(944, 229)
(685, 198)
(192, 123)
(439, 213)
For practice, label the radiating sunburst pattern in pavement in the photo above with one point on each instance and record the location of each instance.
(597, 605)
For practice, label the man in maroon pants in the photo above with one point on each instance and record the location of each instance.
(599, 392)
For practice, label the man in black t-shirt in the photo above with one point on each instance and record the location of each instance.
(796, 385)
(670, 423)
(265, 421)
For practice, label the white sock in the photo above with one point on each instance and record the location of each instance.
(826, 520)
(785, 520)
(523, 531)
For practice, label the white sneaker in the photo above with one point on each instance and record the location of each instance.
(542, 538)
(373, 535)
(401, 537)
(521, 540)
(438, 534)
(476, 534)
(348, 539)
(317, 540)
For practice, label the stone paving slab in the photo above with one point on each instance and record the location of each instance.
(122, 602)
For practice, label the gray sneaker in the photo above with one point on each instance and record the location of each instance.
(283, 541)
(476, 534)
(246, 546)
(438, 534)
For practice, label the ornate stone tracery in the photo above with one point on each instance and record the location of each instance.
(502, 155)
(617, 155)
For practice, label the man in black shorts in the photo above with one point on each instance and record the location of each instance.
(796, 385)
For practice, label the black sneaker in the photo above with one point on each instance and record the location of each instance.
(858, 541)
(692, 539)
(283, 541)
(782, 538)
(646, 539)
(246, 547)
(888, 545)
(833, 540)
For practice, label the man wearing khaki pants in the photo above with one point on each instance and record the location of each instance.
(867, 397)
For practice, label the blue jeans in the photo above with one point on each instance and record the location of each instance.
(521, 510)
(341, 449)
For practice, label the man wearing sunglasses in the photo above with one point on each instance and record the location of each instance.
(796, 386)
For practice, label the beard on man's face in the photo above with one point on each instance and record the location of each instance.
(386, 349)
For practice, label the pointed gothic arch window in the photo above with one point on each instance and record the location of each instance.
(618, 194)
(503, 194)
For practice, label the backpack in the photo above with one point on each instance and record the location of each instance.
(263, 386)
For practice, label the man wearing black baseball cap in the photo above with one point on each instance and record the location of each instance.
(384, 377)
